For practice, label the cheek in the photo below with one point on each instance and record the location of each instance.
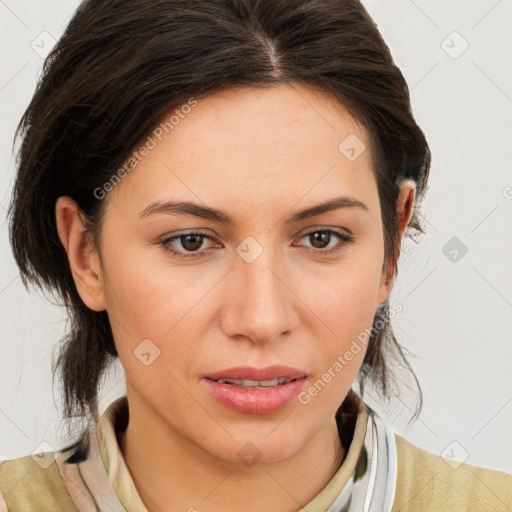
(346, 304)
(149, 298)
(347, 299)
(349, 312)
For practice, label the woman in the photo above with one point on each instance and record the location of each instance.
(219, 191)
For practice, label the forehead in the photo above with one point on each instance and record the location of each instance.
(283, 141)
(246, 120)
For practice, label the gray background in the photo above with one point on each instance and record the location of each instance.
(457, 307)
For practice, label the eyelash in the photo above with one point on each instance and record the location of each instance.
(344, 238)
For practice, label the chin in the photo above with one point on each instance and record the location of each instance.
(257, 446)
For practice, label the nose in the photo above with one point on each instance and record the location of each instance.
(261, 302)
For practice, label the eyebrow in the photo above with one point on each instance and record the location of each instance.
(204, 212)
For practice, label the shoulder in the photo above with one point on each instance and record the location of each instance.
(426, 481)
(33, 483)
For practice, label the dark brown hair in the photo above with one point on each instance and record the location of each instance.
(122, 65)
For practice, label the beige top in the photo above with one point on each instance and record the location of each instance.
(425, 482)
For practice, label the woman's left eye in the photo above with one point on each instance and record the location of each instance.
(321, 239)
(321, 242)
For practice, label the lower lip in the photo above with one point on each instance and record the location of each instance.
(255, 400)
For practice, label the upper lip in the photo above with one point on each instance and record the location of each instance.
(251, 373)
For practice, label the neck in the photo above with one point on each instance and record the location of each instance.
(166, 468)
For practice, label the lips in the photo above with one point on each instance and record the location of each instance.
(249, 390)
(255, 398)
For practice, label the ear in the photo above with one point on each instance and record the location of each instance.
(83, 258)
(405, 208)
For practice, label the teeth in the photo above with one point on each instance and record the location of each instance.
(254, 383)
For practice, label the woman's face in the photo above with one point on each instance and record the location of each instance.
(269, 287)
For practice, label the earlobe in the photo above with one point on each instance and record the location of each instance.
(82, 256)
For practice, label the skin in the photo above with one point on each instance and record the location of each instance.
(259, 156)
